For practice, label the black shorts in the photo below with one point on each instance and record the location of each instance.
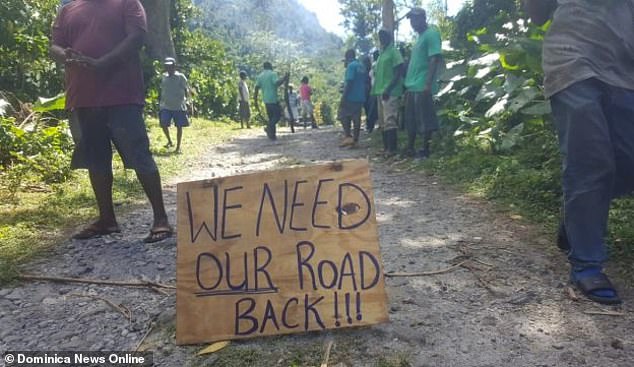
(351, 110)
(274, 112)
(420, 113)
(122, 126)
(245, 110)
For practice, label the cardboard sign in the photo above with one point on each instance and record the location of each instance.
(278, 252)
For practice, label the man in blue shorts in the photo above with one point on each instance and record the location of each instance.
(173, 105)
(99, 42)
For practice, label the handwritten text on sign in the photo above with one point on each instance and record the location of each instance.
(278, 252)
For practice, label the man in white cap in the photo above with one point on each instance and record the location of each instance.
(421, 82)
(173, 102)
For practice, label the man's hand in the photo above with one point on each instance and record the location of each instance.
(427, 90)
(89, 62)
(385, 96)
(76, 57)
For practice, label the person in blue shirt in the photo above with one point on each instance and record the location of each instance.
(353, 99)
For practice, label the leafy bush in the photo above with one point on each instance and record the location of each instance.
(26, 69)
(497, 135)
(36, 153)
(324, 114)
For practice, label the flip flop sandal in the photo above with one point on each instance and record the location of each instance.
(94, 231)
(158, 234)
(588, 285)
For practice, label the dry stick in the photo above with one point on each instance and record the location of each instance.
(482, 282)
(149, 330)
(159, 291)
(120, 308)
(426, 273)
(604, 313)
(483, 263)
(95, 281)
(327, 355)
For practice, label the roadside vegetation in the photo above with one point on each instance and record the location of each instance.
(497, 138)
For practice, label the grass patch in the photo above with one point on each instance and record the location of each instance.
(394, 361)
(33, 221)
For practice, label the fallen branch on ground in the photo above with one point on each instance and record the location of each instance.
(159, 291)
(484, 284)
(425, 273)
(327, 355)
(146, 284)
(119, 308)
(149, 330)
(604, 313)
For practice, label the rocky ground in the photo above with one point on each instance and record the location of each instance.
(507, 304)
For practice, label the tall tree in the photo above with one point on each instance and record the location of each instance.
(362, 18)
(387, 14)
(159, 38)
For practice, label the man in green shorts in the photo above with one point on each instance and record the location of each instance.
(421, 82)
(388, 87)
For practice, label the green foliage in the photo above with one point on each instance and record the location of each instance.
(497, 135)
(363, 19)
(211, 74)
(34, 152)
(324, 114)
(477, 14)
(26, 69)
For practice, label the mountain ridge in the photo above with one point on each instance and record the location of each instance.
(286, 19)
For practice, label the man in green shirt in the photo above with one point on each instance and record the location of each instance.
(421, 82)
(268, 81)
(388, 87)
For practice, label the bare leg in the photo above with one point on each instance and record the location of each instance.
(179, 137)
(166, 131)
(151, 183)
(102, 187)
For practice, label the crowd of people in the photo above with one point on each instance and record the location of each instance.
(588, 76)
(389, 89)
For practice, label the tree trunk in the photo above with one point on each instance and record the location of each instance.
(158, 41)
(387, 14)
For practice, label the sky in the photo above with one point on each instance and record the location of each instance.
(328, 12)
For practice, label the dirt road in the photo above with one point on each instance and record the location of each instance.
(506, 305)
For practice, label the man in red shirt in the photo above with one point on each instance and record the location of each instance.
(99, 42)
